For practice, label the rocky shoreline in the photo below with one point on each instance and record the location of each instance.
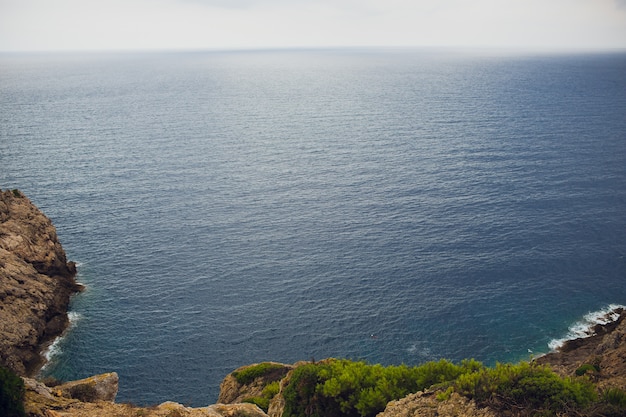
(36, 286)
(37, 281)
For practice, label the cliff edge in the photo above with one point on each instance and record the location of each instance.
(36, 283)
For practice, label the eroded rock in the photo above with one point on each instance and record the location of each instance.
(102, 387)
(36, 283)
(232, 390)
(425, 404)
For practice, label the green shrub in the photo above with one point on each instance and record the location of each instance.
(587, 368)
(347, 388)
(337, 388)
(614, 396)
(301, 398)
(249, 374)
(16, 193)
(612, 403)
(526, 386)
(11, 394)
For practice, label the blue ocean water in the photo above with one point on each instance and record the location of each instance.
(395, 206)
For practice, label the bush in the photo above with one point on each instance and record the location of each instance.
(11, 394)
(249, 374)
(347, 388)
(614, 396)
(343, 388)
(587, 368)
(613, 403)
(526, 386)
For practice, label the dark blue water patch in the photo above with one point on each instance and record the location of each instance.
(230, 208)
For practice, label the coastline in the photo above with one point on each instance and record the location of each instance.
(37, 283)
(603, 346)
(95, 396)
(36, 286)
(590, 325)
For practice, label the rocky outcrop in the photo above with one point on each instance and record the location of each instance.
(96, 388)
(425, 404)
(236, 390)
(40, 399)
(43, 401)
(36, 283)
(605, 351)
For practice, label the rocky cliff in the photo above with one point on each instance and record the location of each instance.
(36, 283)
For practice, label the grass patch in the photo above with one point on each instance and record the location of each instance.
(265, 369)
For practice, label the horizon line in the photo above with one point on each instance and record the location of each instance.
(456, 48)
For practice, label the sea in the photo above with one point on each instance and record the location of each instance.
(388, 205)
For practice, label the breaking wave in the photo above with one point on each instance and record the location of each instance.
(585, 327)
(54, 350)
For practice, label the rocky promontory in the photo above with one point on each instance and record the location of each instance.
(36, 283)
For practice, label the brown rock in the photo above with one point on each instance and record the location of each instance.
(235, 410)
(36, 283)
(96, 388)
(231, 391)
(425, 404)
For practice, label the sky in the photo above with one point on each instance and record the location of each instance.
(62, 25)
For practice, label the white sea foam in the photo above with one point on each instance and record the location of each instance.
(73, 317)
(584, 327)
(54, 349)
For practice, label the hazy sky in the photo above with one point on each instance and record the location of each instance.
(228, 24)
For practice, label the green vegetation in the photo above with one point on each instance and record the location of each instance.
(613, 403)
(346, 388)
(585, 368)
(11, 394)
(268, 370)
(615, 396)
(526, 386)
(16, 193)
(337, 388)
(268, 393)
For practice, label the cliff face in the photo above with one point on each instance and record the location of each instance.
(36, 283)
